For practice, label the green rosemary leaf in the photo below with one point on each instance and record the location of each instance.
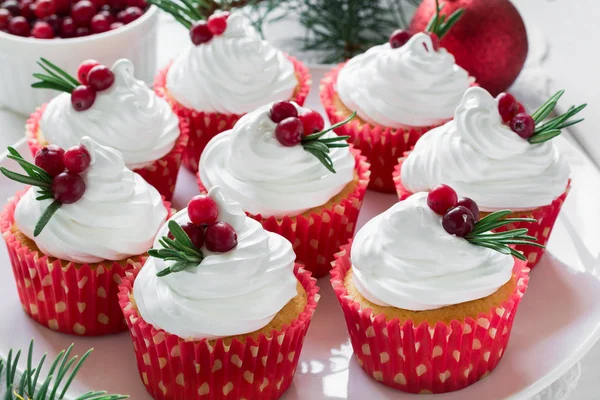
(517, 254)
(66, 87)
(31, 169)
(45, 217)
(337, 145)
(452, 20)
(179, 13)
(494, 246)
(323, 158)
(44, 197)
(62, 72)
(162, 253)
(319, 134)
(482, 224)
(500, 235)
(543, 137)
(317, 146)
(27, 180)
(523, 242)
(164, 272)
(179, 246)
(334, 139)
(181, 266)
(569, 123)
(545, 109)
(557, 121)
(54, 75)
(179, 234)
(51, 86)
(193, 12)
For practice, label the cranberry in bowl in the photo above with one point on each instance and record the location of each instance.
(68, 33)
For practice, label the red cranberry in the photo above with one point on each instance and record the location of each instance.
(199, 33)
(441, 198)
(195, 233)
(28, 10)
(220, 237)
(435, 41)
(459, 221)
(4, 18)
(203, 210)
(55, 22)
(50, 159)
(521, 109)
(117, 5)
(130, 14)
(82, 31)
(63, 6)
(82, 12)
(18, 26)
(42, 30)
(68, 28)
(68, 187)
(137, 3)
(98, 3)
(282, 110)
(100, 78)
(312, 122)
(84, 70)
(77, 159)
(116, 25)
(44, 8)
(99, 24)
(289, 132)
(508, 106)
(82, 98)
(469, 204)
(111, 18)
(523, 125)
(12, 6)
(399, 38)
(217, 24)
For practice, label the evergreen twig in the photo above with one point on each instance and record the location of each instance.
(180, 249)
(547, 130)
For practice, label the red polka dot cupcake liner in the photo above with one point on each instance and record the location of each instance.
(317, 237)
(173, 368)
(206, 125)
(75, 299)
(546, 217)
(381, 145)
(427, 359)
(162, 173)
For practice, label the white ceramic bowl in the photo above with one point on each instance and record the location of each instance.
(135, 41)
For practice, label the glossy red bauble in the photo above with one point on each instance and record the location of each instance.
(289, 132)
(50, 159)
(200, 33)
(441, 198)
(489, 41)
(100, 78)
(220, 237)
(282, 110)
(68, 187)
(82, 98)
(202, 210)
(77, 159)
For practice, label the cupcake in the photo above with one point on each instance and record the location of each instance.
(429, 295)
(116, 110)
(72, 237)
(220, 310)
(297, 179)
(228, 70)
(498, 155)
(400, 90)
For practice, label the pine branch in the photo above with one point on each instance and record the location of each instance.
(440, 24)
(552, 128)
(180, 249)
(57, 78)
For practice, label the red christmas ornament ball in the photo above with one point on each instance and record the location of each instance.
(489, 41)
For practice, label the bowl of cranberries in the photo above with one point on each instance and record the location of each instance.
(68, 32)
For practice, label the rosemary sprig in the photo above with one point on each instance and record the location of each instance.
(320, 147)
(57, 78)
(481, 234)
(179, 249)
(35, 177)
(60, 375)
(184, 11)
(553, 127)
(440, 24)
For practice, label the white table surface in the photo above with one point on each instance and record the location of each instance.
(570, 63)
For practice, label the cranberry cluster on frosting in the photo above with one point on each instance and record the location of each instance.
(292, 126)
(205, 227)
(47, 19)
(94, 78)
(514, 115)
(64, 167)
(400, 37)
(459, 215)
(203, 31)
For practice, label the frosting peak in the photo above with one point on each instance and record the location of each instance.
(405, 259)
(233, 73)
(117, 217)
(128, 116)
(412, 85)
(227, 294)
(485, 160)
(266, 177)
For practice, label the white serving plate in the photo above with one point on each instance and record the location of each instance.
(558, 322)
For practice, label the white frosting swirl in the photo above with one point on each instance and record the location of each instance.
(485, 160)
(228, 294)
(267, 178)
(404, 258)
(413, 85)
(128, 117)
(234, 73)
(117, 217)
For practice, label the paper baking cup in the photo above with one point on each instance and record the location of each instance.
(427, 359)
(206, 125)
(382, 146)
(318, 236)
(66, 297)
(546, 217)
(162, 173)
(173, 368)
